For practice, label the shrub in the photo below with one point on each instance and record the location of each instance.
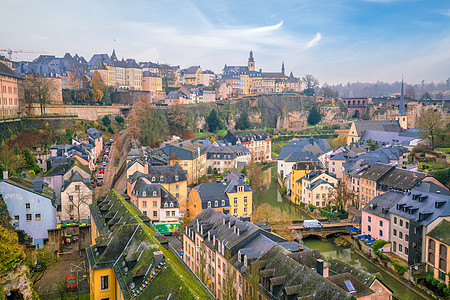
(441, 286)
(106, 120)
(429, 279)
(110, 130)
(119, 119)
(435, 282)
(311, 207)
(379, 244)
(447, 290)
(401, 269)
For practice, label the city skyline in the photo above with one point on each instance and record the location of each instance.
(339, 42)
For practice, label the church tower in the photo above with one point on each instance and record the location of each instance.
(251, 62)
(282, 68)
(113, 55)
(402, 117)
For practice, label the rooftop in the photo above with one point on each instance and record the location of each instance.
(441, 232)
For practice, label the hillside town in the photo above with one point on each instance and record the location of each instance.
(130, 178)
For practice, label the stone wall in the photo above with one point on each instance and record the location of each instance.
(17, 283)
(82, 233)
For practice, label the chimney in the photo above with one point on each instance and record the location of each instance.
(5, 175)
(322, 267)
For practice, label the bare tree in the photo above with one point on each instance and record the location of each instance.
(430, 122)
(340, 196)
(253, 278)
(310, 81)
(229, 284)
(37, 90)
(76, 203)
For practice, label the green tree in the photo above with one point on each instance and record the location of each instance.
(106, 120)
(430, 122)
(372, 145)
(98, 86)
(119, 119)
(213, 121)
(314, 116)
(11, 253)
(254, 172)
(30, 161)
(5, 218)
(243, 122)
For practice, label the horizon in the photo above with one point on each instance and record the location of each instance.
(340, 42)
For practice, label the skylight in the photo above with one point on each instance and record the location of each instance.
(349, 286)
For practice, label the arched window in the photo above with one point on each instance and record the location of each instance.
(216, 203)
(431, 249)
(165, 204)
(176, 177)
(155, 193)
(223, 202)
(144, 193)
(442, 251)
(442, 264)
(171, 204)
(209, 203)
(161, 178)
(153, 179)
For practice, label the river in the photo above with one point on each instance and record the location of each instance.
(272, 196)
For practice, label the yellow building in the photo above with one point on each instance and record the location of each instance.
(126, 263)
(438, 251)
(231, 195)
(244, 84)
(192, 75)
(299, 170)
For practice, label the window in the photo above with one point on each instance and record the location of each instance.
(395, 232)
(317, 203)
(401, 223)
(209, 203)
(16, 218)
(369, 228)
(185, 164)
(37, 217)
(323, 203)
(153, 179)
(167, 213)
(407, 225)
(406, 251)
(395, 220)
(155, 213)
(70, 197)
(369, 219)
(223, 202)
(27, 205)
(104, 283)
(245, 200)
(166, 204)
(235, 201)
(381, 232)
(177, 195)
(400, 247)
(155, 193)
(29, 217)
(155, 203)
(77, 187)
(173, 213)
(406, 237)
(70, 207)
(144, 203)
(235, 211)
(216, 203)
(441, 276)
(245, 210)
(381, 223)
(144, 212)
(317, 197)
(443, 251)
(395, 247)
(240, 188)
(400, 234)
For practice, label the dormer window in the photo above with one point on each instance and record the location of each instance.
(165, 204)
(144, 193)
(176, 177)
(209, 203)
(223, 202)
(240, 188)
(155, 193)
(153, 179)
(161, 178)
(171, 204)
(216, 203)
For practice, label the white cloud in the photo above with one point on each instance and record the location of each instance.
(314, 41)
(445, 12)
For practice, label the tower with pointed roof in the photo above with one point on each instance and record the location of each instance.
(113, 55)
(401, 116)
(282, 68)
(251, 62)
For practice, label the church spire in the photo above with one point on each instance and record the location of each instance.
(113, 55)
(282, 68)
(251, 62)
(250, 58)
(401, 108)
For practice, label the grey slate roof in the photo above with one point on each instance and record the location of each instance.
(421, 207)
(382, 138)
(318, 182)
(401, 179)
(376, 172)
(6, 71)
(382, 125)
(161, 174)
(380, 205)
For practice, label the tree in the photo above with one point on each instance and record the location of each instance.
(119, 119)
(410, 92)
(340, 141)
(185, 221)
(314, 116)
(5, 218)
(372, 145)
(177, 120)
(340, 196)
(79, 201)
(328, 92)
(213, 121)
(98, 87)
(243, 122)
(430, 122)
(310, 81)
(229, 284)
(106, 120)
(426, 96)
(37, 90)
(11, 159)
(279, 220)
(11, 253)
(253, 278)
(254, 172)
(147, 124)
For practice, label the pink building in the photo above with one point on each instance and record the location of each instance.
(9, 92)
(375, 215)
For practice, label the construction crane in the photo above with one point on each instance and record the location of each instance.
(11, 51)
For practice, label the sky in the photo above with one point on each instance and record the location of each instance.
(337, 41)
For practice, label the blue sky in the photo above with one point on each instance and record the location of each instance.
(336, 41)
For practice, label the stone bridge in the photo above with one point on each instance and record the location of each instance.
(324, 232)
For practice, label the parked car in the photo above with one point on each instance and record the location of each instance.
(100, 182)
(100, 176)
(311, 223)
(101, 171)
(104, 163)
(71, 282)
